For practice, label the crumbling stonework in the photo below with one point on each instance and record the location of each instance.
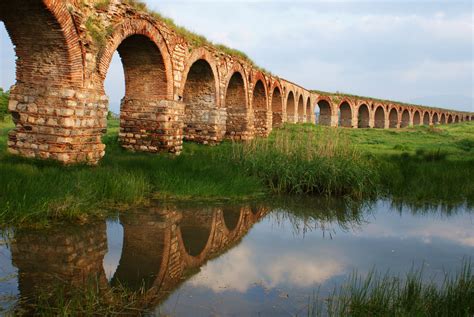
(175, 89)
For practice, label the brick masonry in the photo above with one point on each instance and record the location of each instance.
(175, 90)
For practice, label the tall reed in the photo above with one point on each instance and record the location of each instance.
(308, 161)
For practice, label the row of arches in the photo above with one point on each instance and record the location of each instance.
(171, 91)
(367, 115)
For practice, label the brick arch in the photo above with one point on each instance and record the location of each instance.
(325, 110)
(426, 118)
(301, 109)
(239, 123)
(405, 120)
(456, 119)
(145, 251)
(416, 117)
(363, 116)
(393, 118)
(435, 118)
(135, 28)
(260, 103)
(196, 240)
(205, 55)
(277, 102)
(291, 106)
(46, 43)
(345, 110)
(200, 94)
(379, 116)
(442, 118)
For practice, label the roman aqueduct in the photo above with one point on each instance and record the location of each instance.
(175, 89)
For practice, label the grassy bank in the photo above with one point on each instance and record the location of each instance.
(415, 166)
(37, 192)
(384, 295)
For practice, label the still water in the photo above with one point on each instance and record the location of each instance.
(259, 259)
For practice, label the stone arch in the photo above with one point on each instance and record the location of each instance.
(435, 118)
(196, 230)
(416, 118)
(232, 218)
(260, 107)
(426, 118)
(393, 118)
(379, 117)
(442, 119)
(144, 251)
(363, 116)
(201, 98)
(141, 30)
(450, 119)
(405, 119)
(291, 107)
(325, 110)
(301, 110)
(308, 110)
(46, 42)
(277, 105)
(238, 123)
(456, 119)
(49, 73)
(148, 88)
(345, 114)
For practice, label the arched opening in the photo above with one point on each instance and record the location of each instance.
(435, 119)
(393, 118)
(324, 112)
(405, 119)
(363, 117)
(236, 104)
(442, 119)
(379, 118)
(142, 251)
(450, 119)
(308, 110)
(426, 118)
(200, 97)
(345, 115)
(145, 85)
(231, 217)
(301, 116)
(416, 118)
(472, 118)
(260, 109)
(290, 108)
(456, 119)
(277, 107)
(196, 227)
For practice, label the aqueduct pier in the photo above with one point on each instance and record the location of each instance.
(175, 89)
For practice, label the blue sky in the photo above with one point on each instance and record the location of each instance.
(412, 51)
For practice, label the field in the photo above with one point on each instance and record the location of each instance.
(415, 166)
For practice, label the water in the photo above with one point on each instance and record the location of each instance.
(262, 259)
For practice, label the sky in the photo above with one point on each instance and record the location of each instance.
(411, 51)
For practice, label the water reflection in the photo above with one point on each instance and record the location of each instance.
(254, 259)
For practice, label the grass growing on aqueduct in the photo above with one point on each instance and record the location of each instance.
(417, 165)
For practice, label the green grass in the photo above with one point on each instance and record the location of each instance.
(38, 192)
(384, 295)
(412, 166)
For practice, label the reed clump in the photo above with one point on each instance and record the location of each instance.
(297, 161)
(385, 295)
